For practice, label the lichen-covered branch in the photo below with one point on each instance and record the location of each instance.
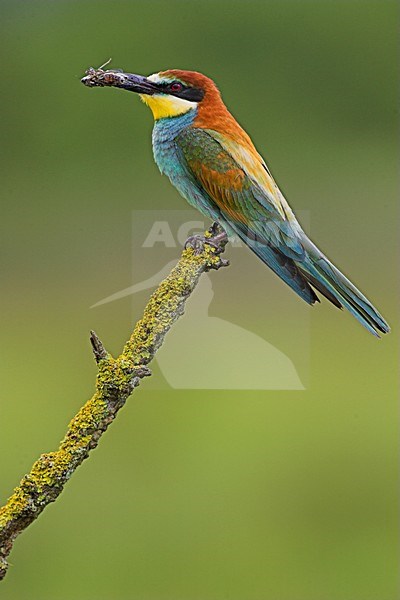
(116, 379)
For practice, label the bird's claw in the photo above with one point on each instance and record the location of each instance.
(215, 237)
(196, 242)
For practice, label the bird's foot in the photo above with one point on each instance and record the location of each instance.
(215, 237)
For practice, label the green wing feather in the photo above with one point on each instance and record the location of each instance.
(228, 187)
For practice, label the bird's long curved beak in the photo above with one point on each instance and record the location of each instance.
(117, 78)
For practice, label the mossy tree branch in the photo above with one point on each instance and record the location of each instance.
(116, 380)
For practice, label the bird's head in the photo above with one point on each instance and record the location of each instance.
(175, 92)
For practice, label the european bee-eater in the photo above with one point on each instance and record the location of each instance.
(213, 163)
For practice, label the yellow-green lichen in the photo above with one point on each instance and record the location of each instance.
(115, 381)
(166, 304)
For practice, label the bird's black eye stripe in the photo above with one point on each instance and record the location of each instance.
(180, 90)
(192, 94)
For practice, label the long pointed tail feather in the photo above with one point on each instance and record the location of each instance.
(312, 271)
(326, 278)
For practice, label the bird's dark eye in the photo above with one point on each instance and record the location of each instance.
(176, 86)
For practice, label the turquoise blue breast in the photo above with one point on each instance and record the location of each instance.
(171, 162)
(164, 133)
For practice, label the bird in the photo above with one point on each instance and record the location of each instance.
(213, 163)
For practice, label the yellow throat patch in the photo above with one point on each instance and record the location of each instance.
(163, 105)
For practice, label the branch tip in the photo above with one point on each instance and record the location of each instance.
(97, 346)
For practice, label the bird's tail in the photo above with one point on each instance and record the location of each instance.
(328, 280)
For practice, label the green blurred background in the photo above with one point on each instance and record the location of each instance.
(200, 495)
